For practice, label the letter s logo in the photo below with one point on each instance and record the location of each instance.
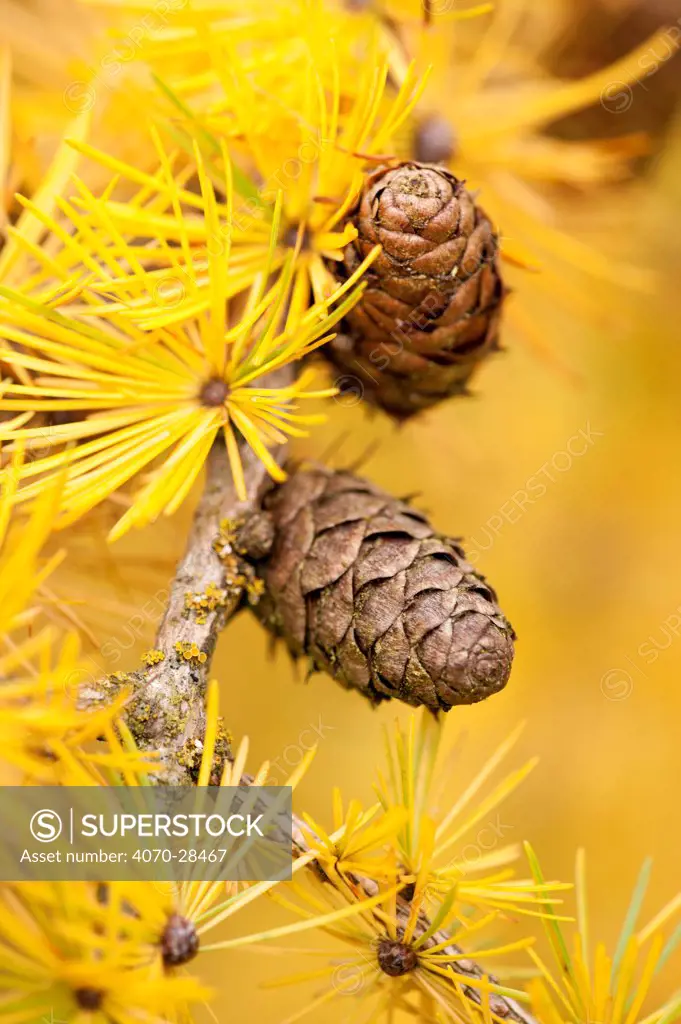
(46, 826)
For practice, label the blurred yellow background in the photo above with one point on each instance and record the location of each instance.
(587, 565)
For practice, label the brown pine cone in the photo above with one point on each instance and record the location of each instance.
(361, 584)
(431, 309)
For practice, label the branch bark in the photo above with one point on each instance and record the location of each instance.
(166, 711)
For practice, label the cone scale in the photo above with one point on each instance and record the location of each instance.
(359, 583)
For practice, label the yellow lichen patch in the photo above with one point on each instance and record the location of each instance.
(255, 588)
(190, 652)
(210, 600)
(119, 677)
(224, 543)
(238, 574)
(153, 657)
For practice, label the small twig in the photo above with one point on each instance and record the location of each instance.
(503, 1006)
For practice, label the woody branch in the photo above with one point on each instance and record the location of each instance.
(166, 706)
